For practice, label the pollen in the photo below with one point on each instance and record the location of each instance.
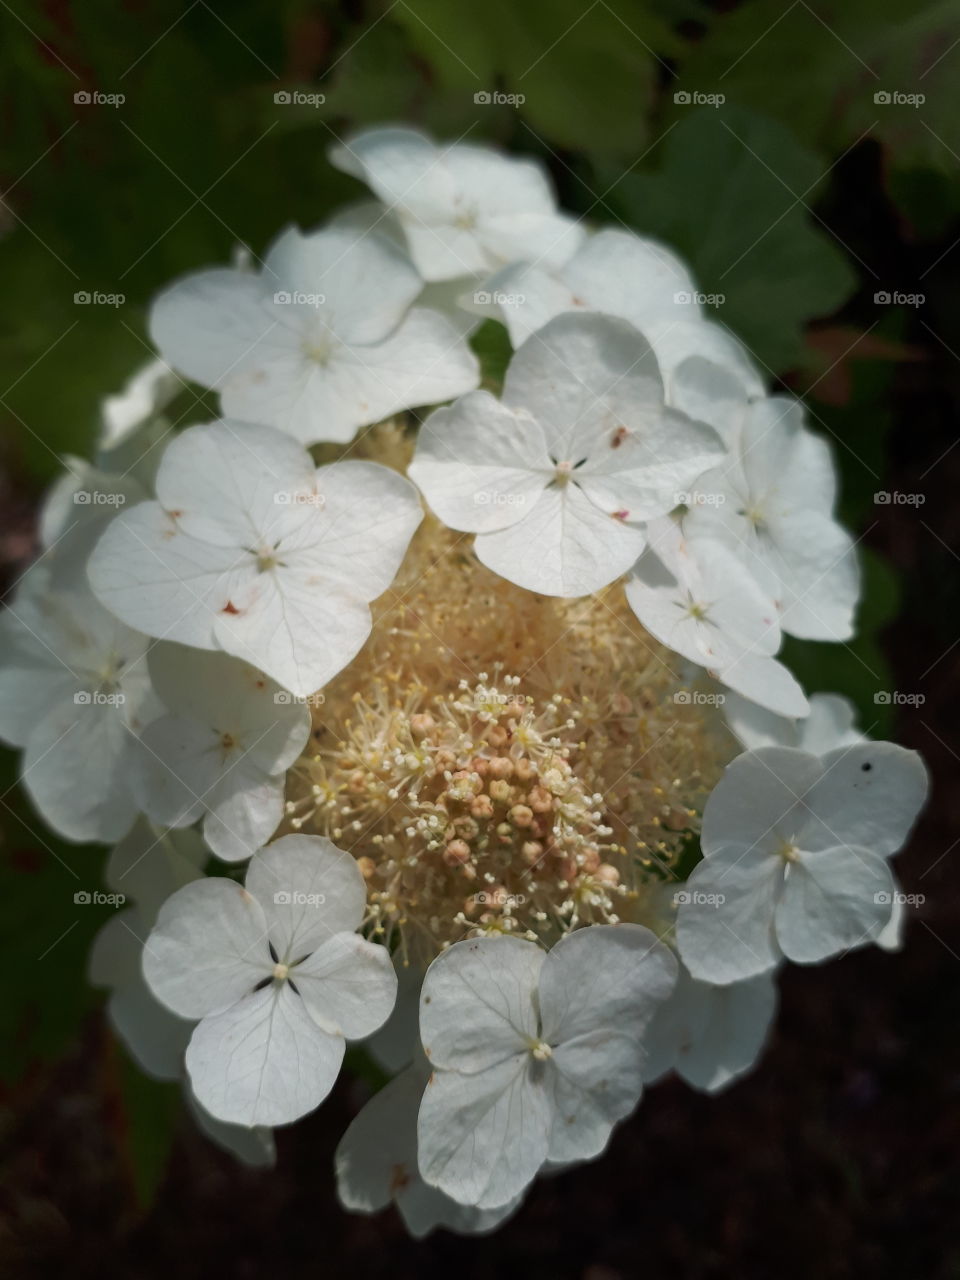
(501, 762)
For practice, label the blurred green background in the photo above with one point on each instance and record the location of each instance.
(803, 157)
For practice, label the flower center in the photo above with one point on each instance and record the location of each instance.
(540, 1050)
(281, 972)
(503, 762)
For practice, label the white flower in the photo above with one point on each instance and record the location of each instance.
(613, 271)
(319, 343)
(252, 549)
(277, 977)
(696, 597)
(619, 274)
(74, 689)
(772, 502)
(795, 850)
(464, 209)
(376, 1163)
(715, 389)
(222, 750)
(558, 476)
(536, 1055)
(830, 724)
(710, 1035)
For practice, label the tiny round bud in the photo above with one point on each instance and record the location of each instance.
(532, 851)
(481, 806)
(590, 860)
(524, 769)
(608, 874)
(521, 815)
(501, 767)
(421, 724)
(500, 790)
(540, 800)
(456, 853)
(367, 867)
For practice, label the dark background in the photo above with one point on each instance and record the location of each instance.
(800, 198)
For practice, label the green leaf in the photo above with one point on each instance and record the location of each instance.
(852, 50)
(491, 345)
(583, 73)
(726, 195)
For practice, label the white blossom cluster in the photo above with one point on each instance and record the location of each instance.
(199, 585)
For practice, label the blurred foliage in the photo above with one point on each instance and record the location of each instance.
(199, 157)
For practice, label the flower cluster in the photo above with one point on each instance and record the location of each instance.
(473, 692)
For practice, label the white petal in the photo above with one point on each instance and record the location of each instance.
(483, 1137)
(565, 547)
(594, 1081)
(365, 281)
(348, 985)
(244, 811)
(758, 804)
(309, 890)
(601, 980)
(72, 771)
(263, 1060)
(211, 324)
(477, 1006)
(869, 795)
(711, 393)
(767, 682)
(480, 465)
(833, 900)
(625, 275)
(726, 913)
(830, 724)
(207, 949)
